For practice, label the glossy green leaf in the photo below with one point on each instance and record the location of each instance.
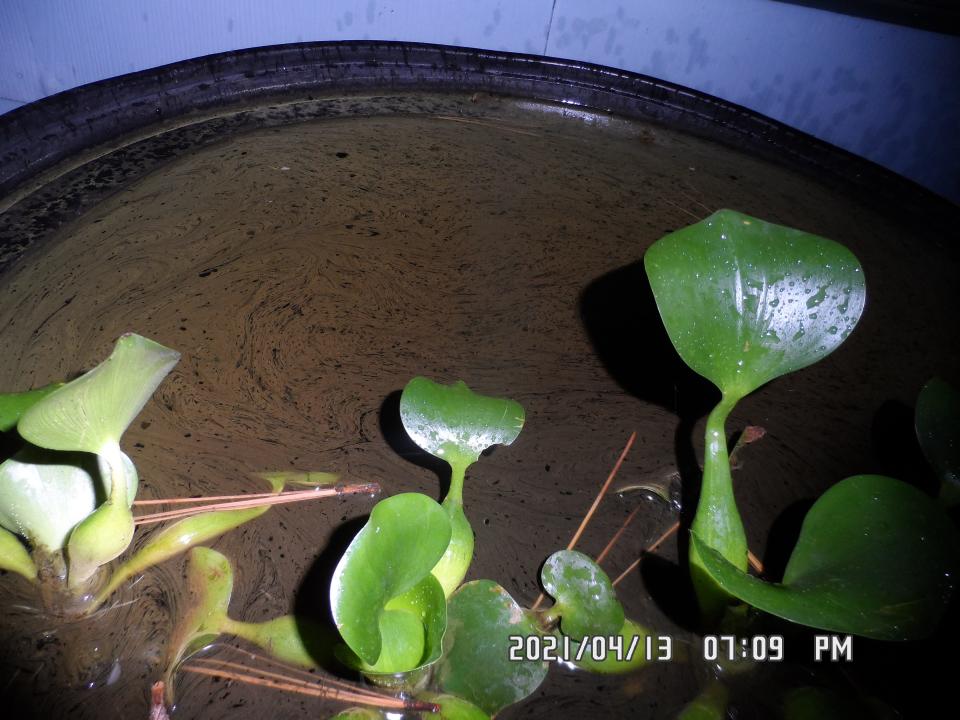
(358, 713)
(95, 409)
(745, 301)
(13, 405)
(481, 619)
(454, 708)
(286, 638)
(710, 704)
(452, 567)
(209, 587)
(312, 478)
(938, 430)
(14, 556)
(394, 552)
(456, 424)
(631, 636)
(585, 600)
(45, 494)
(875, 557)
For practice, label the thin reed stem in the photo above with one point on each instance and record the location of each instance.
(593, 508)
(270, 499)
(656, 543)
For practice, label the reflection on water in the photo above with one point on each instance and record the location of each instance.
(307, 272)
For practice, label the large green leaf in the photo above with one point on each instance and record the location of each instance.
(875, 557)
(745, 301)
(95, 409)
(45, 494)
(586, 602)
(481, 619)
(938, 429)
(456, 424)
(14, 556)
(13, 405)
(394, 552)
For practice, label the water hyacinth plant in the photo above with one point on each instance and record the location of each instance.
(68, 491)
(744, 302)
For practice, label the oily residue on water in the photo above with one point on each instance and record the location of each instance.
(307, 272)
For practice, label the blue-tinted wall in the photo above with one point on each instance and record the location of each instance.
(889, 93)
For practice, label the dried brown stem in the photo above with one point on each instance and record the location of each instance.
(265, 678)
(656, 543)
(593, 508)
(271, 499)
(616, 538)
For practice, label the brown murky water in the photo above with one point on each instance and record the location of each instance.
(308, 270)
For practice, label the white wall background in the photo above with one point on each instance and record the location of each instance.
(888, 93)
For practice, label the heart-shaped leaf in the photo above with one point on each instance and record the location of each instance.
(94, 410)
(938, 430)
(13, 405)
(393, 553)
(585, 600)
(14, 556)
(745, 301)
(481, 619)
(631, 654)
(44, 494)
(456, 424)
(875, 557)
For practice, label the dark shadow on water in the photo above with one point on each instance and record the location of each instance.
(311, 602)
(391, 427)
(895, 446)
(620, 315)
(782, 539)
(670, 587)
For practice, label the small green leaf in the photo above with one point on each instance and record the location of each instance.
(456, 424)
(586, 601)
(938, 430)
(745, 301)
(454, 708)
(288, 638)
(209, 587)
(632, 635)
(14, 556)
(394, 552)
(358, 713)
(710, 704)
(13, 405)
(875, 557)
(311, 478)
(95, 409)
(481, 619)
(45, 494)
